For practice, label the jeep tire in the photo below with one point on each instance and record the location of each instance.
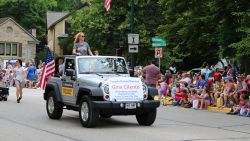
(53, 107)
(87, 114)
(5, 98)
(146, 118)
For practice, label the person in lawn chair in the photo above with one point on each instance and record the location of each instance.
(4, 86)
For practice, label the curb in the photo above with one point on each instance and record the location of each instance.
(225, 110)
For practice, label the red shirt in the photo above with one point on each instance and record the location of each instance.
(242, 103)
(178, 96)
(216, 75)
(185, 96)
(170, 81)
(152, 74)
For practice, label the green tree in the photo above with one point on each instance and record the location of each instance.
(108, 31)
(242, 47)
(32, 14)
(196, 31)
(189, 28)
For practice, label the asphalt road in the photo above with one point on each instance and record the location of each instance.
(28, 121)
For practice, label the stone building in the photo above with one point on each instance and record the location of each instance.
(57, 26)
(15, 42)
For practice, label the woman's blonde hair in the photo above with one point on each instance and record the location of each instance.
(77, 36)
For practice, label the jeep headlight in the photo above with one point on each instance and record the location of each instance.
(145, 91)
(105, 89)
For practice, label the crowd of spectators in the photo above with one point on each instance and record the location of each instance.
(225, 88)
(32, 75)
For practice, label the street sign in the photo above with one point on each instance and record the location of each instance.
(156, 39)
(158, 52)
(158, 42)
(133, 48)
(133, 38)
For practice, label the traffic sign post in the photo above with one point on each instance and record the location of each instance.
(133, 58)
(157, 39)
(158, 42)
(133, 39)
(133, 48)
(158, 54)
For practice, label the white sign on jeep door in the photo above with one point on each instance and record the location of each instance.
(125, 89)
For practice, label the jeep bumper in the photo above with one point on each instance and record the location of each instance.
(125, 108)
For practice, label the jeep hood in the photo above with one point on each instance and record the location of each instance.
(96, 80)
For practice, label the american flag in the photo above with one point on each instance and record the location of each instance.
(107, 4)
(48, 69)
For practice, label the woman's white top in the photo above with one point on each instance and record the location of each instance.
(19, 75)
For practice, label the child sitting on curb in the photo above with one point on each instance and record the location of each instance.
(194, 99)
(204, 99)
(219, 87)
(162, 88)
(184, 99)
(244, 111)
(177, 95)
(241, 108)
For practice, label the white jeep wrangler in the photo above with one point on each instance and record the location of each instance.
(99, 86)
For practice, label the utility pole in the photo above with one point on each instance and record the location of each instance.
(132, 31)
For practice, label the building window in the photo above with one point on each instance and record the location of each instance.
(14, 49)
(67, 27)
(9, 49)
(2, 46)
(9, 29)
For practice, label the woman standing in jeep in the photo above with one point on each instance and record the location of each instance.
(80, 46)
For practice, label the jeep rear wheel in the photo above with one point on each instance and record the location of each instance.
(53, 107)
(146, 118)
(5, 98)
(88, 115)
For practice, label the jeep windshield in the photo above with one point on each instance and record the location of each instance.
(102, 65)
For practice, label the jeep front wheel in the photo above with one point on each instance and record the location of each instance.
(88, 115)
(146, 118)
(53, 107)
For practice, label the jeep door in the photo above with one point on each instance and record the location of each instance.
(68, 81)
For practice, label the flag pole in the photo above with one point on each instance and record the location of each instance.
(46, 47)
(43, 65)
